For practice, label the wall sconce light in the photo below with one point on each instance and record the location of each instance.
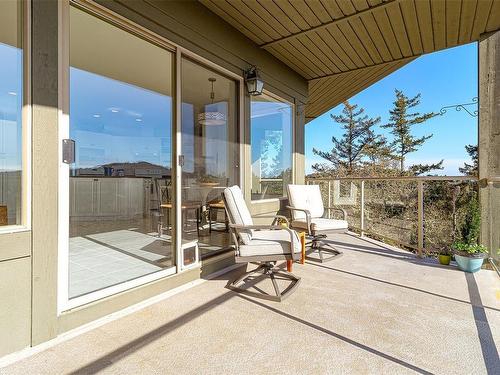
(254, 83)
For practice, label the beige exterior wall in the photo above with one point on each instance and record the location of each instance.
(29, 259)
(15, 310)
(44, 169)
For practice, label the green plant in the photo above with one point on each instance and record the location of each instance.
(469, 232)
(470, 248)
(444, 251)
(472, 222)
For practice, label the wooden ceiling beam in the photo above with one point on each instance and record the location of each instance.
(333, 22)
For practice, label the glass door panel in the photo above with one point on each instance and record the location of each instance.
(121, 124)
(271, 127)
(11, 118)
(209, 145)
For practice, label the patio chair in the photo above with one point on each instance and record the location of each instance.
(214, 206)
(263, 244)
(164, 202)
(307, 212)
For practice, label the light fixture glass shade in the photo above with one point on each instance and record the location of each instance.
(254, 83)
(211, 118)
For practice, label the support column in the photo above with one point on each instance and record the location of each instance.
(44, 169)
(489, 140)
(299, 143)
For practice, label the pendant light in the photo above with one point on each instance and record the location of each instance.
(209, 117)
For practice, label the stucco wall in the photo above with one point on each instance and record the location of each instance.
(489, 141)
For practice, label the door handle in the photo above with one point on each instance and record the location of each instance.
(68, 151)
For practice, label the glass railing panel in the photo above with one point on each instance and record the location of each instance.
(391, 211)
(445, 205)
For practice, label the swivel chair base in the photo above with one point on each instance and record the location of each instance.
(267, 269)
(317, 245)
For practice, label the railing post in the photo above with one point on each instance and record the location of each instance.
(329, 198)
(420, 224)
(362, 203)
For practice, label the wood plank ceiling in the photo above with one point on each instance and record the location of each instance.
(344, 46)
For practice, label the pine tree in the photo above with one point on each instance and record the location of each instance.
(269, 147)
(471, 169)
(401, 123)
(378, 152)
(347, 151)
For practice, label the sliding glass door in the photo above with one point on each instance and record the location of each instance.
(120, 125)
(210, 154)
(128, 213)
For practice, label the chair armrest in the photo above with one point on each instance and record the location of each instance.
(273, 227)
(344, 212)
(255, 227)
(308, 216)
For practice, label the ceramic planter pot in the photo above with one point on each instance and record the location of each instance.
(444, 259)
(470, 263)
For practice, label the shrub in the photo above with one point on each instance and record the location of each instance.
(472, 222)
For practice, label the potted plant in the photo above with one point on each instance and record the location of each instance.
(444, 256)
(469, 254)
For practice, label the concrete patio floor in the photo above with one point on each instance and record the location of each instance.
(374, 310)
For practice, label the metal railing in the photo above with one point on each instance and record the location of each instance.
(419, 213)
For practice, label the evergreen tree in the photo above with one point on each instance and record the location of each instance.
(378, 153)
(347, 151)
(270, 146)
(400, 125)
(471, 227)
(471, 169)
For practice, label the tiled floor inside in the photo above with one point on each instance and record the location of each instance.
(101, 260)
(103, 254)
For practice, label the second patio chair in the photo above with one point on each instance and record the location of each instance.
(308, 211)
(262, 244)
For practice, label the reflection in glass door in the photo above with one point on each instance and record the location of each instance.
(119, 184)
(209, 133)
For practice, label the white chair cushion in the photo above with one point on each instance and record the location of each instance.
(238, 211)
(305, 197)
(270, 242)
(320, 224)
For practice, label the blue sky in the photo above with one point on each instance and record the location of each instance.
(443, 78)
(112, 121)
(11, 95)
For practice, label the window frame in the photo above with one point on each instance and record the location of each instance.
(292, 146)
(26, 114)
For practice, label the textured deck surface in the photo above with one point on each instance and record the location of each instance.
(373, 310)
